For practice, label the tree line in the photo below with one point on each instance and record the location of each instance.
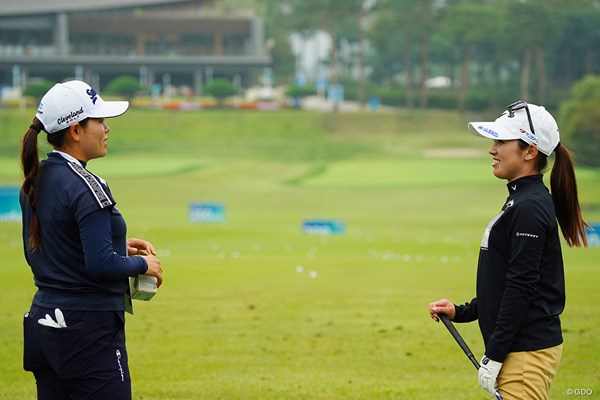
(492, 50)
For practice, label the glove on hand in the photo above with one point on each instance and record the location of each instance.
(48, 321)
(488, 372)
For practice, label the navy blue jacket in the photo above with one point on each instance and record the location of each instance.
(82, 263)
(520, 274)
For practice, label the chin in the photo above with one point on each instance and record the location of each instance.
(498, 174)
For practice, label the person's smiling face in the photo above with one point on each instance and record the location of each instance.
(509, 161)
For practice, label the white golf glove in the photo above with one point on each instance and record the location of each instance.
(488, 372)
(48, 321)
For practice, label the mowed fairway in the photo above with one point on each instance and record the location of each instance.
(252, 308)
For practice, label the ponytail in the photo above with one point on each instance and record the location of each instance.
(564, 193)
(30, 162)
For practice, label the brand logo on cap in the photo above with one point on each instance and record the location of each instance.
(93, 95)
(533, 138)
(69, 117)
(529, 136)
(488, 130)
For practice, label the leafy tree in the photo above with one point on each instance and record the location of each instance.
(580, 118)
(386, 55)
(125, 85)
(282, 56)
(220, 89)
(328, 16)
(525, 44)
(276, 33)
(578, 52)
(37, 89)
(459, 27)
(297, 93)
(426, 21)
(407, 25)
(353, 39)
(528, 27)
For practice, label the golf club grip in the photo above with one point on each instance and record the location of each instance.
(463, 345)
(461, 342)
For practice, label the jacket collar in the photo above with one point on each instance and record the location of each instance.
(67, 157)
(521, 183)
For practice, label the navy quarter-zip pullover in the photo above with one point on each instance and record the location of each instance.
(82, 263)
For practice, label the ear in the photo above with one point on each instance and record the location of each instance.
(74, 133)
(531, 152)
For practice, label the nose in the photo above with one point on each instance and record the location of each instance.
(106, 127)
(493, 150)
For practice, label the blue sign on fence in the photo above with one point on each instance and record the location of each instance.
(323, 227)
(593, 236)
(10, 209)
(207, 212)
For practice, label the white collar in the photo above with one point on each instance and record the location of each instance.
(68, 157)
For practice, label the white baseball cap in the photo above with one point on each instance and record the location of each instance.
(73, 101)
(521, 120)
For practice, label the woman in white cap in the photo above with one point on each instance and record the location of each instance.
(75, 243)
(520, 275)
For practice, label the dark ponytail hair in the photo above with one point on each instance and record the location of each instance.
(563, 187)
(30, 162)
(566, 202)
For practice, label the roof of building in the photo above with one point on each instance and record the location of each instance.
(36, 7)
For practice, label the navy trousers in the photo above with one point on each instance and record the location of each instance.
(85, 360)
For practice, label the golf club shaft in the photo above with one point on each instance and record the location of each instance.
(463, 345)
(461, 342)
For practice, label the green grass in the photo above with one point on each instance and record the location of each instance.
(235, 320)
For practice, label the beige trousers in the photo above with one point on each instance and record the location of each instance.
(527, 375)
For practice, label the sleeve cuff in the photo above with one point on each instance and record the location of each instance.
(144, 267)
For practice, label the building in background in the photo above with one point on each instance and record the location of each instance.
(163, 42)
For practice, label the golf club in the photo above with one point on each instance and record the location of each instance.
(463, 345)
